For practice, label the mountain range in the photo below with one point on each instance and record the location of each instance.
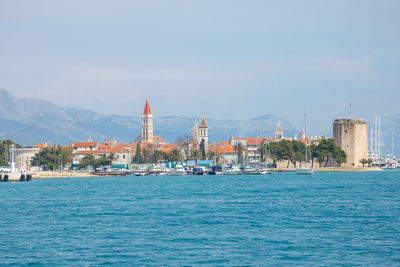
(31, 121)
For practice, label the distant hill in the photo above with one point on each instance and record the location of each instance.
(31, 121)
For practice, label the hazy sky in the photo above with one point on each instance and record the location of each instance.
(223, 59)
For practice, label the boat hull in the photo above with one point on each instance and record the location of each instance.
(305, 171)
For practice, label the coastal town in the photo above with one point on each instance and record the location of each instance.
(150, 153)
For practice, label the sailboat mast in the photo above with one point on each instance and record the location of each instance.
(305, 132)
(392, 143)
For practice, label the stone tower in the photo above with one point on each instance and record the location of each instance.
(279, 132)
(147, 124)
(195, 135)
(203, 132)
(352, 136)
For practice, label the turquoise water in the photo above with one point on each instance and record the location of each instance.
(324, 219)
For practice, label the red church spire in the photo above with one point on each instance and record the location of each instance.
(147, 109)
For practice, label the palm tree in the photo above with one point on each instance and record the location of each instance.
(239, 149)
(111, 158)
(263, 151)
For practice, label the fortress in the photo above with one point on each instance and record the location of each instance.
(352, 136)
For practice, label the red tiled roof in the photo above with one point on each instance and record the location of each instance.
(147, 109)
(84, 144)
(203, 123)
(222, 148)
(87, 152)
(41, 145)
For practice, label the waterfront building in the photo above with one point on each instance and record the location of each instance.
(24, 156)
(85, 146)
(352, 136)
(224, 151)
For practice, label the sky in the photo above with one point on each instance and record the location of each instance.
(217, 58)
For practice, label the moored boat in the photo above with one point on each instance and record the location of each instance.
(179, 170)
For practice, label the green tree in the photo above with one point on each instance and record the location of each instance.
(157, 156)
(203, 153)
(111, 158)
(176, 155)
(312, 149)
(263, 151)
(195, 155)
(329, 151)
(138, 156)
(369, 162)
(363, 162)
(88, 160)
(53, 157)
(4, 151)
(147, 156)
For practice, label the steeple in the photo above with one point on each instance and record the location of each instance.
(303, 137)
(195, 135)
(203, 131)
(279, 132)
(195, 131)
(203, 123)
(147, 124)
(147, 109)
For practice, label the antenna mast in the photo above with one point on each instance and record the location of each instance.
(350, 109)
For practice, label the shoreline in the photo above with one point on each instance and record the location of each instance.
(78, 174)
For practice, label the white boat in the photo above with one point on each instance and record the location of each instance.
(265, 171)
(304, 170)
(178, 171)
(233, 170)
(199, 170)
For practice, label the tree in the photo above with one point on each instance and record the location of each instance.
(88, 160)
(111, 158)
(239, 150)
(329, 151)
(363, 162)
(53, 157)
(369, 162)
(298, 153)
(138, 156)
(313, 152)
(263, 151)
(157, 156)
(184, 143)
(203, 154)
(4, 151)
(146, 156)
(195, 155)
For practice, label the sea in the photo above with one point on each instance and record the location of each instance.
(327, 219)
